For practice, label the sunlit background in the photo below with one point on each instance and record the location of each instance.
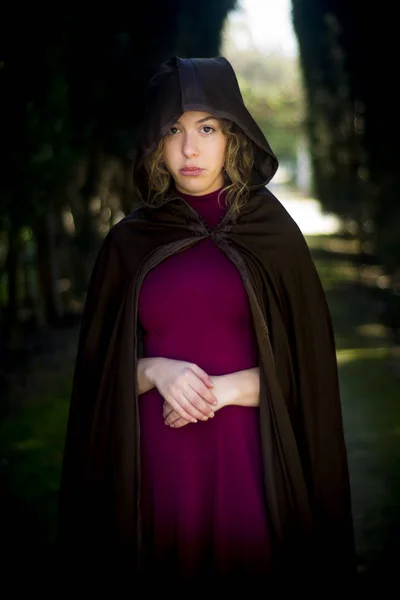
(259, 40)
(262, 24)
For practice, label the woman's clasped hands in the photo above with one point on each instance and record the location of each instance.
(187, 391)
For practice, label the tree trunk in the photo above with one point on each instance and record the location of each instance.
(12, 328)
(47, 261)
(32, 297)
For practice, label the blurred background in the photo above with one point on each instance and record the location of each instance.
(319, 77)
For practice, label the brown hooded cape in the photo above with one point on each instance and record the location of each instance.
(304, 453)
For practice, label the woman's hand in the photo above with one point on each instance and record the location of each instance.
(241, 388)
(223, 391)
(186, 389)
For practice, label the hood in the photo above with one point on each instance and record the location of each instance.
(203, 84)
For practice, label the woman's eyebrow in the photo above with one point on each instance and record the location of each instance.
(201, 120)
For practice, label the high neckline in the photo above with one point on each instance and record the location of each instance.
(204, 197)
(207, 205)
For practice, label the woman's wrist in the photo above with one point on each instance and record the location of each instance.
(241, 388)
(147, 369)
(224, 390)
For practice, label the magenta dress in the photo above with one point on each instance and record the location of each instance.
(202, 492)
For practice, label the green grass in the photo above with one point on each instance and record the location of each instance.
(371, 414)
(32, 437)
(31, 449)
(369, 375)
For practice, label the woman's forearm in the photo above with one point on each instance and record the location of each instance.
(241, 388)
(145, 370)
(246, 385)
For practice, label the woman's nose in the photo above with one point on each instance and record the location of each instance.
(189, 146)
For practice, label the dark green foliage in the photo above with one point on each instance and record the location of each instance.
(72, 97)
(347, 51)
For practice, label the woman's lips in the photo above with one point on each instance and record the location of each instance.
(192, 171)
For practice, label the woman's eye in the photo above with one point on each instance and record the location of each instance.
(207, 129)
(173, 130)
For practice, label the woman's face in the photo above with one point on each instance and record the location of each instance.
(194, 151)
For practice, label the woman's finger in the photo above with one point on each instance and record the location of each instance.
(179, 423)
(185, 404)
(196, 399)
(185, 409)
(172, 419)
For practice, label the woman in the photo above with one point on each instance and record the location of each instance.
(205, 435)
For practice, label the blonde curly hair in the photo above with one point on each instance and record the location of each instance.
(238, 164)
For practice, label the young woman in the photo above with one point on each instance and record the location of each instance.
(205, 438)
